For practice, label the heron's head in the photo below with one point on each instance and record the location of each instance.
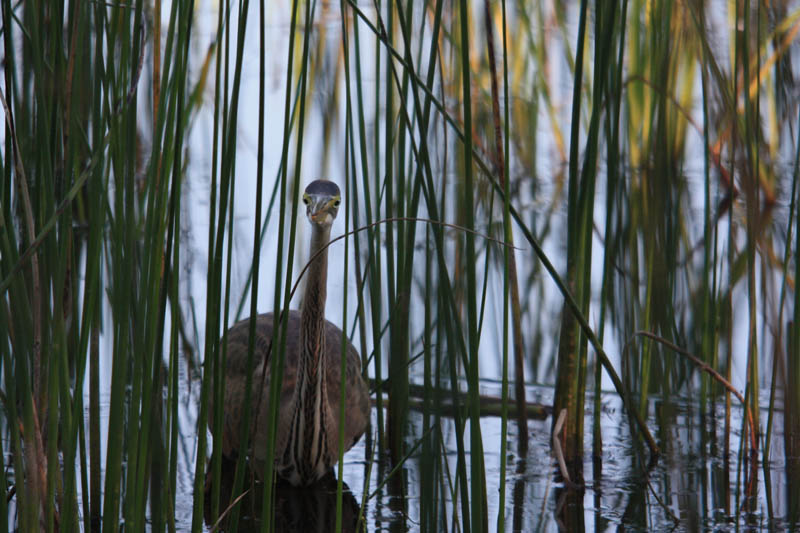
(322, 199)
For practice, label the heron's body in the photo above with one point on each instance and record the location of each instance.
(356, 398)
(307, 436)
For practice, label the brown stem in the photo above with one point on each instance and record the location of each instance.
(22, 185)
(70, 73)
(156, 58)
(516, 314)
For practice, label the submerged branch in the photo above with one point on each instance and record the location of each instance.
(490, 405)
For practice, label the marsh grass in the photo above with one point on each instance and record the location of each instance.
(664, 187)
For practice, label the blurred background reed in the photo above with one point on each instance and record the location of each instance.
(585, 205)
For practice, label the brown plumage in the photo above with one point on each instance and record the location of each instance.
(307, 438)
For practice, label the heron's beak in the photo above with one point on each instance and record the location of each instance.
(320, 214)
(321, 217)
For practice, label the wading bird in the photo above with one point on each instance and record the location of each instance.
(307, 437)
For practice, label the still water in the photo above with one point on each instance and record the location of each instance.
(694, 486)
(692, 481)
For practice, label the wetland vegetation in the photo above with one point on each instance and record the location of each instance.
(568, 258)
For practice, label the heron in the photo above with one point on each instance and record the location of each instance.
(307, 436)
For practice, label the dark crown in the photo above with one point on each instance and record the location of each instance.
(322, 187)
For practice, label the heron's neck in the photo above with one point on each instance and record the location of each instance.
(312, 323)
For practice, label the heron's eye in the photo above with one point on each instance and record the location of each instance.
(306, 200)
(336, 202)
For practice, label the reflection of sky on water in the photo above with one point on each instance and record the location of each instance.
(545, 301)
